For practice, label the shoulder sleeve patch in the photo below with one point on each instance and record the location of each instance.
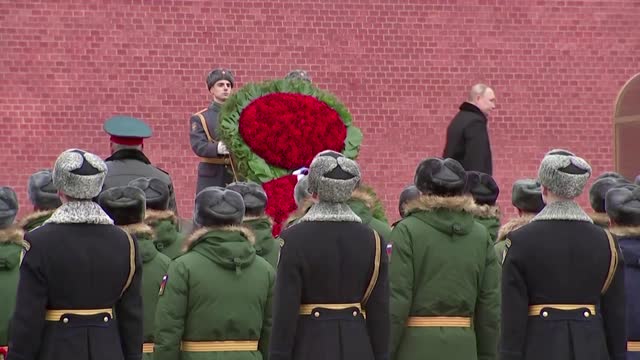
(163, 284)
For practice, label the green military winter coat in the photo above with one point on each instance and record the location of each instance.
(219, 290)
(266, 245)
(154, 268)
(167, 237)
(362, 203)
(489, 217)
(35, 219)
(502, 243)
(11, 246)
(443, 264)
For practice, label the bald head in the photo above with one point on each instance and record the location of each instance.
(483, 97)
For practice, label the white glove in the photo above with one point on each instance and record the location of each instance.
(222, 148)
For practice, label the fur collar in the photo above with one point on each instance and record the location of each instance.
(252, 218)
(80, 212)
(326, 211)
(154, 216)
(431, 203)
(487, 211)
(34, 216)
(626, 231)
(366, 198)
(512, 225)
(193, 238)
(13, 235)
(138, 229)
(563, 210)
(601, 219)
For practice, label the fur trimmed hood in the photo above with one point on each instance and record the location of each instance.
(193, 238)
(601, 219)
(153, 216)
(300, 212)
(366, 198)
(512, 225)
(14, 235)
(139, 229)
(487, 211)
(34, 216)
(431, 203)
(626, 231)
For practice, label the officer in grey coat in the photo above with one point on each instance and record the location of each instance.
(214, 168)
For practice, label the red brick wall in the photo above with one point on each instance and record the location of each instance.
(402, 69)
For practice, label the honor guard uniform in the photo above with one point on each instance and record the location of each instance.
(562, 279)
(128, 161)
(44, 197)
(598, 194)
(332, 292)
(484, 190)
(215, 168)
(445, 295)
(126, 206)
(526, 197)
(11, 248)
(164, 222)
(216, 300)
(623, 208)
(255, 201)
(79, 272)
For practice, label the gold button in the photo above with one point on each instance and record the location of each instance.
(545, 314)
(355, 313)
(65, 320)
(586, 314)
(106, 319)
(316, 314)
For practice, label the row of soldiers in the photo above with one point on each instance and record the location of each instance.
(562, 281)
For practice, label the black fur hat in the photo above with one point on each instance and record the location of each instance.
(442, 177)
(599, 189)
(254, 196)
(623, 205)
(220, 74)
(409, 193)
(526, 195)
(156, 192)
(482, 187)
(218, 206)
(42, 194)
(124, 204)
(8, 206)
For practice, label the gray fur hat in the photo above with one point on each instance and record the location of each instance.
(220, 74)
(613, 175)
(301, 191)
(8, 206)
(599, 189)
(526, 195)
(79, 174)
(218, 206)
(124, 204)
(623, 205)
(482, 187)
(333, 177)
(409, 193)
(253, 195)
(563, 173)
(440, 177)
(156, 192)
(298, 75)
(42, 194)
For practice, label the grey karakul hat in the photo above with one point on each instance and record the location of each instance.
(156, 192)
(623, 205)
(409, 193)
(598, 191)
(42, 194)
(218, 206)
(298, 75)
(301, 191)
(442, 177)
(220, 74)
(526, 195)
(124, 204)
(253, 195)
(79, 174)
(333, 177)
(8, 206)
(482, 187)
(563, 173)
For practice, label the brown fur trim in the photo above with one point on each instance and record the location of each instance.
(513, 224)
(300, 212)
(153, 216)
(138, 229)
(430, 203)
(264, 217)
(191, 240)
(34, 215)
(487, 211)
(625, 230)
(600, 218)
(14, 235)
(365, 197)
